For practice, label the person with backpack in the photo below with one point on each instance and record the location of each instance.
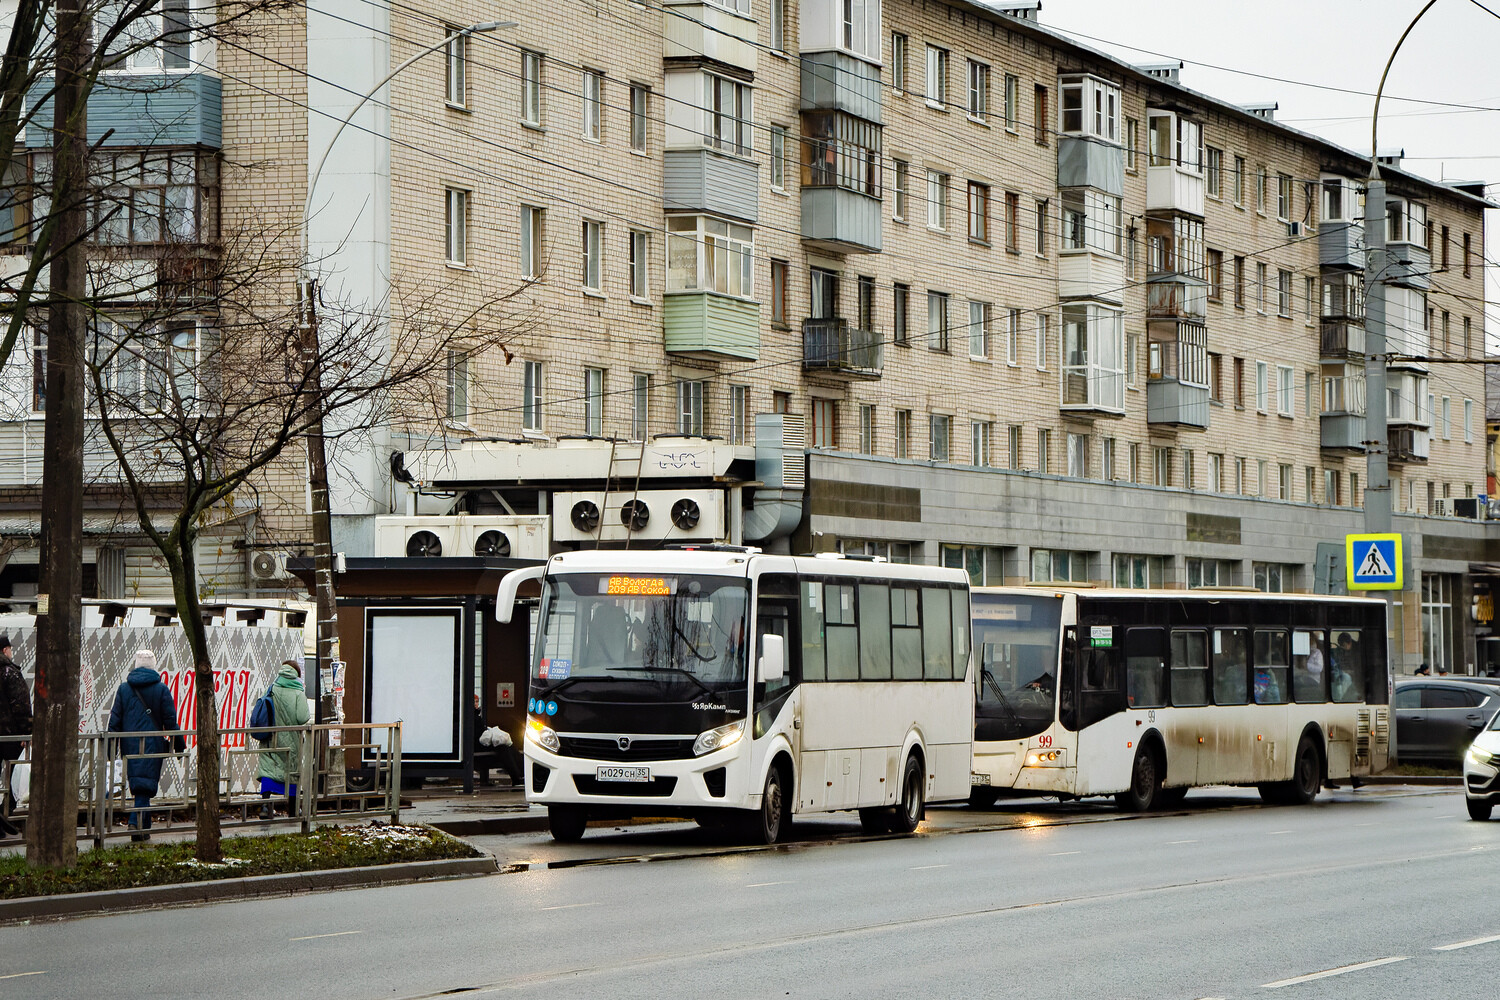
(279, 763)
(15, 720)
(143, 704)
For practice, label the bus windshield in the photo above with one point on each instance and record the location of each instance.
(1017, 637)
(673, 630)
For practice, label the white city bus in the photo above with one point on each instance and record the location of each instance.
(855, 693)
(1144, 694)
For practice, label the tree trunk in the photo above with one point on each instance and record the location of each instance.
(51, 832)
(190, 612)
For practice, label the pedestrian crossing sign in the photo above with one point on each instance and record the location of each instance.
(1373, 561)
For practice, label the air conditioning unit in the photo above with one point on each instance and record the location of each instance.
(1442, 507)
(266, 566)
(1294, 229)
(463, 536)
(651, 515)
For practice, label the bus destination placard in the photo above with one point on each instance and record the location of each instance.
(638, 586)
(1101, 636)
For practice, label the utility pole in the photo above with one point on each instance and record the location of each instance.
(322, 517)
(50, 832)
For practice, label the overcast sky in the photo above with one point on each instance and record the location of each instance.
(1451, 56)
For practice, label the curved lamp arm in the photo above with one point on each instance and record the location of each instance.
(1375, 116)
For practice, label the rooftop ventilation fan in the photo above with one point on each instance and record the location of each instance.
(685, 514)
(264, 565)
(585, 516)
(423, 544)
(492, 543)
(634, 514)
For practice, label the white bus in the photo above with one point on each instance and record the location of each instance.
(1145, 694)
(856, 691)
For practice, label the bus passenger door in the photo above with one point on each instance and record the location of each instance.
(776, 704)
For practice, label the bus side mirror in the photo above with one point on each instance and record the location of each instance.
(772, 665)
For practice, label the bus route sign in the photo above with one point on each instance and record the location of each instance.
(1373, 562)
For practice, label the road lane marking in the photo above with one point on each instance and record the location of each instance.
(923, 868)
(1063, 854)
(1171, 842)
(1333, 972)
(23, 975)
(1467, 944)
(568, 906)
(761, 885)
(1277, 833)
(314, 937)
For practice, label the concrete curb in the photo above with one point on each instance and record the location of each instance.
(219, 890)
(1455, 780)
(492, 826)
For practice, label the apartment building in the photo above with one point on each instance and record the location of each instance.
(918, 279)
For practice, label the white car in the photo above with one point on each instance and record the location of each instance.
(1482, 771)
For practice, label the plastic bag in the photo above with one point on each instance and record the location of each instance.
(494, 737)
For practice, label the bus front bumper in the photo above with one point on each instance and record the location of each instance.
(674, 787)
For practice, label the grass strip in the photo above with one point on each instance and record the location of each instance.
(134, 865)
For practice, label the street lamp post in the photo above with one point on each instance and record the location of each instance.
(317, 456)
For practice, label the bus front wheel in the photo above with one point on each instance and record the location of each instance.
(769, 823)
(912, 808)
(1145, 783)
(567, 823)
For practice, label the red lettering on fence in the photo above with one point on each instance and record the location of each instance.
(231, 695)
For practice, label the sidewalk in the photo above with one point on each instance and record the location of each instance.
(489, 811)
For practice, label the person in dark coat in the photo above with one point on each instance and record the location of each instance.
(15, 720)
(142, 705)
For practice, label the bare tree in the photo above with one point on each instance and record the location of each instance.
(198, 394)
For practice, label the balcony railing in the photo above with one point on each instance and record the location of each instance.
(1176, 297)
(834, 347)
(1342, 340)
(1409, 444)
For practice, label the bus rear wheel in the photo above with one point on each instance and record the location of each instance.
(1307, 774)
(1145, 783)
(911, 809)
(567, 823)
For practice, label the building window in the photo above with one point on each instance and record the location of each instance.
(1239, 181)
(1078, 456)
(1283, 197)
(593, 253)
(1216, 378)
(1013, 433)
(1107, 469)
(1042, 338)
(940, 425)
(1043, 450)
(903, 434)
(1468, 421)
(900, 204)
(1090, 221)
(1284, 294)
(1283, 481)
(979, 211)
(1260, 188)
(1215, 274)
(1239, 282)
(1093, 357)
(640, 257)
(38, 370)
(1262, 386)
(937, 76)
(1040, 117)
(457, 52)
(866, 429)
(937, 200)
(1013, 336)
(531, 242)
(1209, 573)
(778, 25)
(593, 402)
(690, 407)
(840, 151)
(981, 438)
(1331, 484)
(1309, 297)
(778, 292)
(1273, 578)
(531, 88)
(593, 105)
(937, 321)
(1043, 206)
(1261, 281)
(1214, 177)
(458, 385)
(979, 329)
(456, 226)
(778, 157)
(781, 402)
(1056, 566)
(1012, 100)
(900, 306)
(825, 423)
(1161, 463)
(1447, 424)
(1215, 472)
(531, 396)
(1285, 391)
(1139, 572)
(979, 90)
(1437, 621)
(640, 111)
(1012, 222)
(1467, 250)
(1239, 383)
(866, 290)
(1132, 143)
(1132, 355)
(898, 63)
(640, 391)
(727, 111)
(708, 254)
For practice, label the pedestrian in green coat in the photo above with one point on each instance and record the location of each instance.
(278, 764)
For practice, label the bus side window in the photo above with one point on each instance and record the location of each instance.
(937, 634)
(1145, 667)
(1272, 663)
(874, 632)
(813, 661)
(960, 633)
(1098, 674)
(1346, 670)
(906, 634)
(841, 631)
(1067, 688)
(1189, 667)
(1230, 666)
(1309, 666)
(775, 611)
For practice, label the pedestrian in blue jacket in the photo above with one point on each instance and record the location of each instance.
(142, 705)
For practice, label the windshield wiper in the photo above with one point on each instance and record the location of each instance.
(672, 670)
(994, 686)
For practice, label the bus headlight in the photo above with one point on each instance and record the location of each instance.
(542, 735)
(718, 739)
